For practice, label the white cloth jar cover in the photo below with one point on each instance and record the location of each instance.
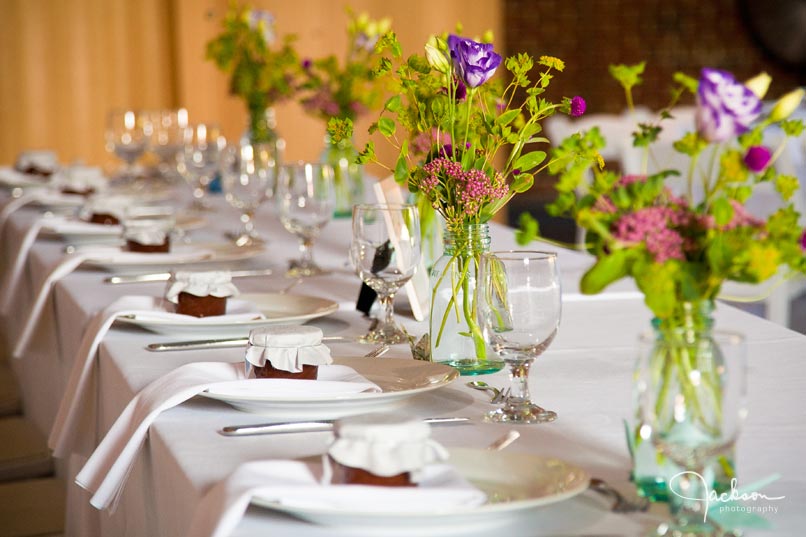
(41, 160)
(80, 178)
(287, 347)
(150, 236)
(216, 283)
(114, 205)
(385, 444)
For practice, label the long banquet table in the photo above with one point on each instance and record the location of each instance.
(585, 376)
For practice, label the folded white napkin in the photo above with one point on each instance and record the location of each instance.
(105, 472)
(16, 204)
(113, 255)
(295, 484)
(66, 428)
(332, 381)
(75, 226)
(11, 177)
(16, 264)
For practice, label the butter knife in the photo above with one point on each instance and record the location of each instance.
(224, 343)
(308, 426)
(165, 276)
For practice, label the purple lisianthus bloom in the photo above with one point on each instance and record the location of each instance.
(474, 62)
(725, 107)
(258, 16)
(578, 106)
(757, 158)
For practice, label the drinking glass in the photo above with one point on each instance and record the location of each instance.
(248, 176)
(692, 401)
(519, 307)
(203, 144)
(166, 139)
(126, 137)
(305, 198)
(385, 251)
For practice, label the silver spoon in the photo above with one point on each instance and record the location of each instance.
(483, 386)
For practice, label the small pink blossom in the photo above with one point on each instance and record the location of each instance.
(757, 158)
(630, 179)
(578, 106)
(803, 241)
(651, 226)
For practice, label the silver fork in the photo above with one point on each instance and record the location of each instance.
(620, 503)
(501, 396)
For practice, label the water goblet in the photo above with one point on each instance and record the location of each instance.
(166, 139)
(385, 251)
(691, 393)
(519, 308)
(203, 144)
(126, 137)
(248, 175)
(305, 199)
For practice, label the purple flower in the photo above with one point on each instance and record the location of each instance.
(578, 106)
(264, 20)
(803, 241)
(474, 62)
(307, 63)
(757, 158)
(725, 107)
(461, 91)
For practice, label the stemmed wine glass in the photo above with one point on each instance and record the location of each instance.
(519, 308)
(692, 401)
(385, 251)
(248, 176)
(305, 198)
(203, 145)
(127, 138)
(166, 139)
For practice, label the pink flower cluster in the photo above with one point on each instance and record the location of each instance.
(471, 188)
(741, 217)
(651, 226)
(322, 102)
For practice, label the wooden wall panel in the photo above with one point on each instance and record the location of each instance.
(65, 63)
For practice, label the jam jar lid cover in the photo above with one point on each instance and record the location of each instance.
(287, 347)
(217, 283)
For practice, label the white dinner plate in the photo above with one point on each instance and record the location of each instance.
(77, 231)
(277, 308)
(515, 483)
(116, 260)
(398, 378)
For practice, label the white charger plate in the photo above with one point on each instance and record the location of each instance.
(516, 484)
(398, 378)
(120, 261)
(277, 308)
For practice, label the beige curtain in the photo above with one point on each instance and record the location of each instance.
(65, 63)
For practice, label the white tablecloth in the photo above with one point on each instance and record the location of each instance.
(585, 376)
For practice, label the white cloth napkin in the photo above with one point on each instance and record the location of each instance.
(66, 428)
(294, 484)
(113, 255)
(12, 277)
(74, 226)
(105, 472)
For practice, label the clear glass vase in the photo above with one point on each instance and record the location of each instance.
(664, 356)
(348, 175)
(455, 335)
(262, 129)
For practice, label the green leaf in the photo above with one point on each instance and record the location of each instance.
(386, 126)
(522, 183)
(627, 75)
(393, 104)
(607, 270)
(529, 229)
(507, 117)
(529, 160)
(722, 211)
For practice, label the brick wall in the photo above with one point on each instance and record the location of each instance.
(671, 35)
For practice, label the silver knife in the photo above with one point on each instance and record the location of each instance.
(308, 426)
(224, 343)
(165, 276)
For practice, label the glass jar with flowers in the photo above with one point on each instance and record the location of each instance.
(259, 74)
(346, 91)
(462, 139)
(681, 247)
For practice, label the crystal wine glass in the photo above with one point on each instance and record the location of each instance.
(203, 145)
(305, 198)
(166, 139)
(692, 401)
(519, 307)
(248, 176)
(126, 137)
(385, 251)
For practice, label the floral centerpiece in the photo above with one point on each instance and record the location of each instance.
(680, 248)
(462, 138)
(259, 74)
(345, 90)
